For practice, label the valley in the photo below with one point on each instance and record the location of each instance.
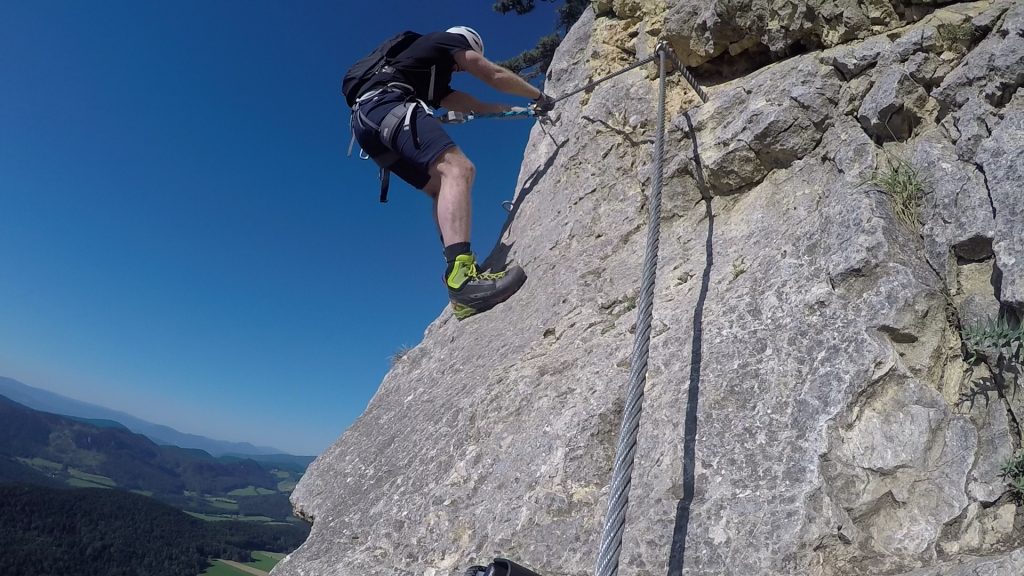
(174, 510)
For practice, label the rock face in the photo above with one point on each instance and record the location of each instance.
(807, 328)
(707, 29)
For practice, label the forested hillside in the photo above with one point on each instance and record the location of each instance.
(12, 471)
(46, 531)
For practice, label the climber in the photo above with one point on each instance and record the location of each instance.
(391, 93)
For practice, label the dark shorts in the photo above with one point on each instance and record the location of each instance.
(416, 154)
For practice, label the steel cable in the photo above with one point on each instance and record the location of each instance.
(618, 499)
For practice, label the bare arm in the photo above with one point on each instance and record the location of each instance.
(462, 102)
(495, 76)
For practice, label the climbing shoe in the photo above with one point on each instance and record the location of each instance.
(472, 291)
(500, 567)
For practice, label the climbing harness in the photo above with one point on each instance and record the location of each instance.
(399, 118)
(615, 519)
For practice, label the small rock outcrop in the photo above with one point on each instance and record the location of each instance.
(841, 238)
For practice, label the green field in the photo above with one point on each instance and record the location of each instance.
(219, 569)
(223, 503)
(208, 517)
(93, 478)
(42, 464)
(218, 518)
(79, 483)
(250, 491)
(76, 478)
(267, 519)
(286, 485)
(265, 560)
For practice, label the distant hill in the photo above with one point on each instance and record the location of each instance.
(46, 401)
(54, 450)
(113, 456)
(45, 531)
(97, 422)
(297, 464)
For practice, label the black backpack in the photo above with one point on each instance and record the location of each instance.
(362, 71)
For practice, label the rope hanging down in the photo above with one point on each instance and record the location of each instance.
(615, 520)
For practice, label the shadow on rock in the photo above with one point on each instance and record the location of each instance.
(677, 552)
(498, 258)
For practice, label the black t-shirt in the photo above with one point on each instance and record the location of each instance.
(426, 65)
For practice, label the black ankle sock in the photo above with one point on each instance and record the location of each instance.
(450, 252)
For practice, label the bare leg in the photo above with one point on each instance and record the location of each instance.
(451, 181)
(450, 185)
(432, 189)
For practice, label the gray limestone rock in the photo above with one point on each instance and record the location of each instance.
(893, 107)
(970, 126)
(852, 151)
(973, 94)
(1002, 158)
(852, 94)
(979, 309)
(927, 69)
(988, 19)
(902, 466)
(746, 132)
(702, 30)
(851, 60)
(956, 209)
(993, 70)
(1005, 565)
(995, 447)
(977, 304)
(802, 348)
(922, 40)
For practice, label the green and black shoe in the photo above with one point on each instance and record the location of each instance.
(472, 291)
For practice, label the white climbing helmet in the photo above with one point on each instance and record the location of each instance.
(471, 35)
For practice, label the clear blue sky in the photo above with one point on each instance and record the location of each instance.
(180, 230)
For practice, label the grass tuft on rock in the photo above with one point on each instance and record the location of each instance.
(1013, 473)
(904, 186)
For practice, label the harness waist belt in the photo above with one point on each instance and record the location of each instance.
(397, 119)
